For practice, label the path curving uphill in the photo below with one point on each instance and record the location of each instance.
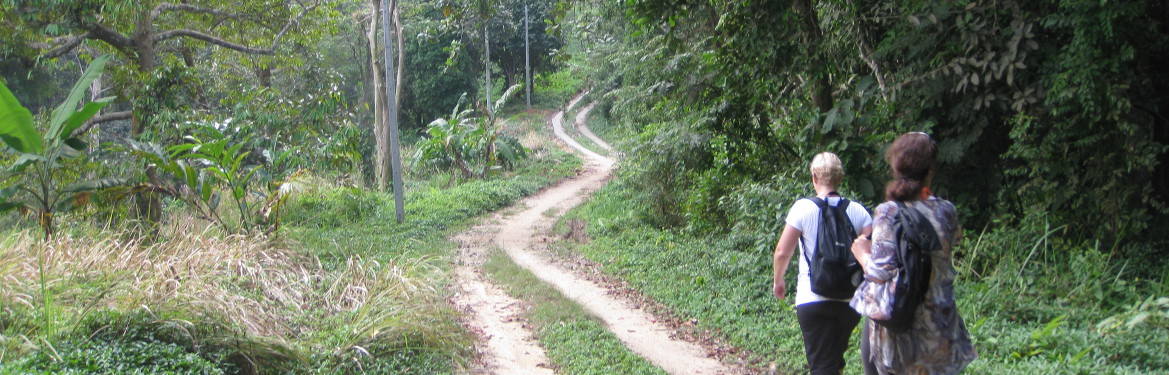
(583, 125)
(636, 328)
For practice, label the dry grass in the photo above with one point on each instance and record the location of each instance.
(248, 284)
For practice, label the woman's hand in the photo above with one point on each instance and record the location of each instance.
(862, 248)
(779, 288)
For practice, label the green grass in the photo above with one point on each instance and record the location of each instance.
(606, 129)
(723, 281)
(576, 342)
(554, 89)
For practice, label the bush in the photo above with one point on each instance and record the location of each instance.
(556, 88)
(114, 358)
(333, 207)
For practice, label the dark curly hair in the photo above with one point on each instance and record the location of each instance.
(912, 158)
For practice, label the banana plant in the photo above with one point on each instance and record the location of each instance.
(473, 145)
(445, 145)
(490, 133)
(40, 170)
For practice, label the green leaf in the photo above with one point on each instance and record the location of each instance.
(69, 106)
(79, 118)
(503, 99)
(76, 144)
(24, 160)
(205, 186)
(16, 126)
(6, 202)
(830, 120)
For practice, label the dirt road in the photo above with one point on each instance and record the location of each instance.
(508, 348)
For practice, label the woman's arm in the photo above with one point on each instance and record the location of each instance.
(784, 249)
(862, 246)
(878, 257)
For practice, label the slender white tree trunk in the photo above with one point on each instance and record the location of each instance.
(381, 161)
(487, 63)
(390, 18)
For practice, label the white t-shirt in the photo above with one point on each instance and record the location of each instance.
(805, 216)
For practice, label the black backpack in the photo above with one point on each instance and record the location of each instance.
(916, 239)
(833, 271)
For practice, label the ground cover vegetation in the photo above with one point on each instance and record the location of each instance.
(204, 199)
(1050, 117)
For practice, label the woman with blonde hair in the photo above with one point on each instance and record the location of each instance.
(825, 321)
(935, 341)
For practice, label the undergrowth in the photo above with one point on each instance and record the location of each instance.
(1033, 303)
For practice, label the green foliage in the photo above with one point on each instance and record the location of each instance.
(1031, 299)
(205, 168)
(1153, 311)
(438, 69)
(473, 145)
(44, 182)
(996, 85)
(134, 357)
(504, 22)
(334, 208)
(556, 88)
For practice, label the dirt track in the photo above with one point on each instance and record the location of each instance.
(507, 346)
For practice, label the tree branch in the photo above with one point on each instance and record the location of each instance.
(216, 41)
(108, 35)
(112, 116)
(168, 7)
(229, 45)
(60, 46)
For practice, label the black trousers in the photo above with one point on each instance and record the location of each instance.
(827, 326)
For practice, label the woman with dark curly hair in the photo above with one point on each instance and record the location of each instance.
(937, 341)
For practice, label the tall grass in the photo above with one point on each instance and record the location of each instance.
(245, 295)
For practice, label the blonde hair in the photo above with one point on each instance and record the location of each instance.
(826, 168)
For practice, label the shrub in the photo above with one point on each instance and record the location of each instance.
(472, 145)
(114, 358)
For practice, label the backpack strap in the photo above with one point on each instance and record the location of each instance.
(922, 231)
(822, 204)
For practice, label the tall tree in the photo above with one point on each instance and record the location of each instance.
(142, 32)
(386, 109)
(145, 34)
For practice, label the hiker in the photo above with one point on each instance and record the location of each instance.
(935, 340)
(826, 322)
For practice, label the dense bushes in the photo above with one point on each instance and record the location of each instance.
(1037, 106)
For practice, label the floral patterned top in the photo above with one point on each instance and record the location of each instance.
(938, 342)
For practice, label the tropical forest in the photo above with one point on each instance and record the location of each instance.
(566, 186)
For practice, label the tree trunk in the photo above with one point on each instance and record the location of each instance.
(391, 19)
(487, 64)
(820, 85)
(381, 161)
(147, 206)
(401, 59)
